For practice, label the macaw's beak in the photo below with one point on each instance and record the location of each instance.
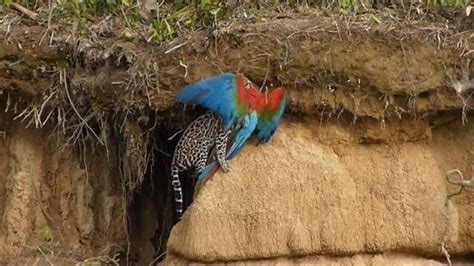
(468, 10)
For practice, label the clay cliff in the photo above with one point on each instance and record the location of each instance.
(318, 191)
(380, 110)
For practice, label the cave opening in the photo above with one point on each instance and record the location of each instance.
(151, 210)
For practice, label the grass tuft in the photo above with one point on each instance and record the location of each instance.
(164, 21)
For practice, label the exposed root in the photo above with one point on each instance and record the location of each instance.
(104, 258)
(83, 121)
(462, 183)
(157, 258)
(462, 89)
(447, 231)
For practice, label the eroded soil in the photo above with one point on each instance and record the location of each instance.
(92, 163)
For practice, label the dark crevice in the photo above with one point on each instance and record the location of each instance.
(151, 210)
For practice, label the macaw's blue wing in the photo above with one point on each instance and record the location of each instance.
(270, 118)
(234, 146)
(243, 134)
(219, 94)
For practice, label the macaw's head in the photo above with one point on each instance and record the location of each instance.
(250, 94)
(248, 91)
(244, 83)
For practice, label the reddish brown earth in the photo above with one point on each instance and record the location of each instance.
(355, 175)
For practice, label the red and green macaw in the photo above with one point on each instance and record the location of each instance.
(242, 107)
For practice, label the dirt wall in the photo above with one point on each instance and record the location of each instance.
(380, 108)
(300, 195)
(361, 259)
(51, 203)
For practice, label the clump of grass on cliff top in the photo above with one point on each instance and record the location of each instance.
(163, 21)
(166, 20)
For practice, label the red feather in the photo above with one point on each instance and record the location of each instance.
(250, 96)
(274, 98)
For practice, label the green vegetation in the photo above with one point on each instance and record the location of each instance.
(165, 20)
(48, 237)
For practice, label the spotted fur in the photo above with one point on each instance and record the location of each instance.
(193, 149)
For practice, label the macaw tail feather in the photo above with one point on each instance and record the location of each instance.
(208, 172)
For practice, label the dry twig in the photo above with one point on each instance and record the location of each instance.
(24, 11)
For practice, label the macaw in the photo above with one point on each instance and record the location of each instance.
(234, 98)
(242, 107)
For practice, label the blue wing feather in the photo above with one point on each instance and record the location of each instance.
(243, 135)
(265, 130)
(217, 94)
(206, 173)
